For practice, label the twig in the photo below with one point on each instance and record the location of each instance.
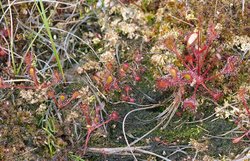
(119, 150)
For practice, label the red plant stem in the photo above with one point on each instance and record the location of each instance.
(192, 65)
(180, 58)
(97, 115)
(199, 54)
(90, 130)
(4, 86)
(207, 51)
(66, 103)
(85, 109)
(245, 105)
(209, 68)
(236, 140)
(198, 64)
(213, 77)
(209, 91)
(87, 139)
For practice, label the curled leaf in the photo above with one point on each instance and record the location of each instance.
(192, 38)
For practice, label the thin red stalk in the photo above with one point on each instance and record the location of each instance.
(245, 105)
(90, 130)
(87, 139)
(209, 68)
(236, 140)
(85, 110)
(213, 77)
(199, 54)
(180, 58)
(209, 91)
(66, 103)
(206, 53)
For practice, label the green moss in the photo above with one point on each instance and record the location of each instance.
(184, 133)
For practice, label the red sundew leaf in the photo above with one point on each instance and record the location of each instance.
(125, 66)
(132, 100)
(211, 32)
(114, 116)
(86, 113)
(2, 52)
(190, 103)
(110, 66)
(242, 96)
(51, 94)
(173, 72)
(127, 88)
(28, 59)
(115, 85)
(217, 95)
(187, 76)
(6, 32)
(62, 98)
(75, 95)
(56, 76)
(236, 140)
(124, 98)
(137, 78)
(2, 84)
(230, 66)
(163, 83)
(189, 59)
(122, 73)
(32, 74)
(138, 56)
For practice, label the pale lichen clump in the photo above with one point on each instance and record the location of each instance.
(159, 59)
(235, 109)
(243, 41)
(86, 95)
(108, 57)
(240, 43)
(88, 66)
(111, 36)
(121, 20)
(73, 115)
(226, 111)
(33, 96)
(42, 108)
(199, 147)
(129, 29)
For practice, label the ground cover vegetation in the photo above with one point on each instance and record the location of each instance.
(124, 80)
